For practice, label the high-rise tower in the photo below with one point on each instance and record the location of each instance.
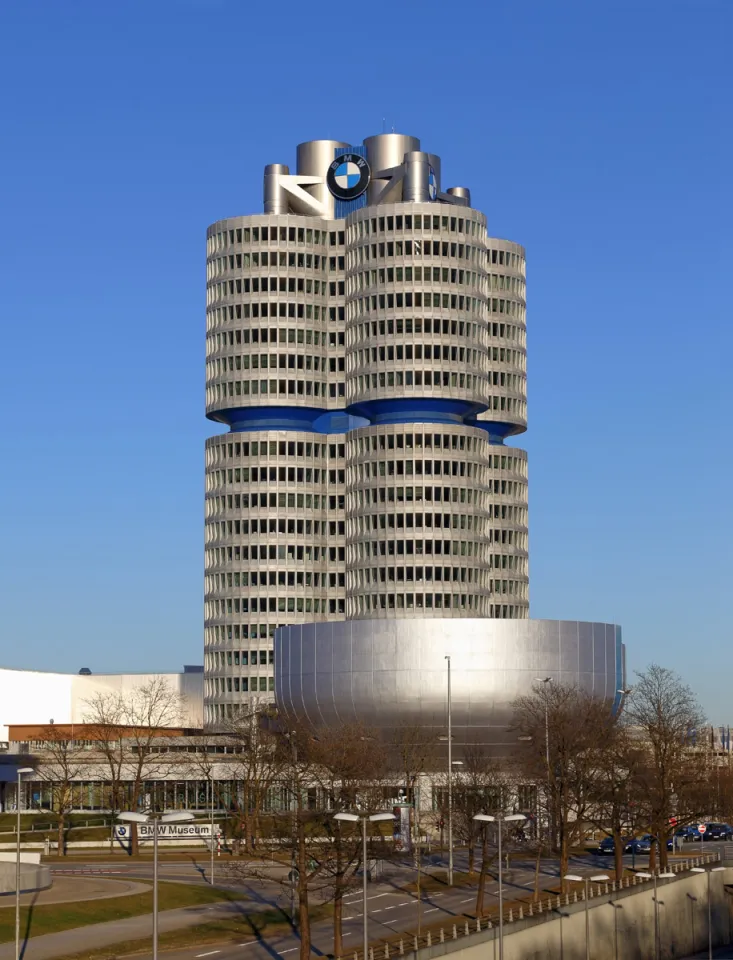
(366, 349)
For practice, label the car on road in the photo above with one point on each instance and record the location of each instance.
(688, 834)
(606, 845)
(718, 831)
(643, 844)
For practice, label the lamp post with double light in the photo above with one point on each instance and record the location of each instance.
(710, 912)
(655, 877)
(598, 878)
(355, 818)
(500, 821)
(179, 816)
(21, 771)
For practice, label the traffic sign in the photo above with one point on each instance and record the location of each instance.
(701, 828)
(673, 821)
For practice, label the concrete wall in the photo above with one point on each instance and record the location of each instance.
(621, 932)
(32, 877)
(36, 697)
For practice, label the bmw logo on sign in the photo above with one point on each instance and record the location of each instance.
(432, 184)
(348, 176)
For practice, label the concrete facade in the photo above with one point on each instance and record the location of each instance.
(35, 697)
(366, 349)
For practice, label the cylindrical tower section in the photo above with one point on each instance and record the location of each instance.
(274, 552)
(436, 524)
(273, 356)
(416, 330)
(386, 150)
(275, 198)
(507, 338)
(313, 159)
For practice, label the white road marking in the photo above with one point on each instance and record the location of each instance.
(209, 954)
(470, 899)
(391, 908)
(434, 910)
(249, 943)
(289, 950)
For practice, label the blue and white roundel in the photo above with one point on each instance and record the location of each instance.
(348, 176)
(432, 184)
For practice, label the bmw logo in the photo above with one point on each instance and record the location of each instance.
(348, 176)
(432, 184)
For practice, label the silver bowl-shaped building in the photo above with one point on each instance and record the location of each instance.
(392, 673)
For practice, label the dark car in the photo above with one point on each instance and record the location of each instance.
(717, 831)
(639, 845)
(688, 834)
(606, 845)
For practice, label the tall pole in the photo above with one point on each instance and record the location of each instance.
(17, 868)
(294, 805)
(710, 924)
(155, 888)
(587, 920)
(656, 920)
(364, 885)
(211, 787)
(499, 824)
(450, 783)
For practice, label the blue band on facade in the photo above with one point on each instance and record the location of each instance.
(313, 419)
(417, 410)
(497, 431)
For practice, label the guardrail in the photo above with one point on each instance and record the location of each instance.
(400, 946)
(41, 827)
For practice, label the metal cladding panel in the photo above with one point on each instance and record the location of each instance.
(388, 673)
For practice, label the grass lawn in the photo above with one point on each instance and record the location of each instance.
(269, 923)
(53, 917)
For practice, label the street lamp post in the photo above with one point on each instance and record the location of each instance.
(355, 818)
(551, 823)
(710, 913)
(211, 787)
(179, 816)
(20, 772)
(598, 878)
(450, 782)
(657, 938)
(500, 821)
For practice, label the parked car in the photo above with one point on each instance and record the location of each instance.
(718, 831)
(606, 845)
(643, 844)
(688, 834)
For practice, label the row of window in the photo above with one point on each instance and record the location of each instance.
(374, 604)
(237, 658)
(273, 448)
(217, 582)
(366, 444)
(364, 331)
(218, 686)
(231, 338)
(272, 361)
(226, 633)
(219, 266)
(300, 553)
(216, 609)
(369, 226)
(309, 501)
(371, 253)
(272, 234)
(275, 308)
(218, 392)
(378, 495)
(331, 528)
(418, 298)
(371, 575)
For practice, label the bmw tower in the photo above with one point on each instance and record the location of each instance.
(366, 516)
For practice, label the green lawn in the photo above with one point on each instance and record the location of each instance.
(54, 917)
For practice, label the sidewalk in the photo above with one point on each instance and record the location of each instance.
(117, 931)
(73, 889)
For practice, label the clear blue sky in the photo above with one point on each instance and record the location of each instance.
(597, 134)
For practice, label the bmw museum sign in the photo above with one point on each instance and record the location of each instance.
(168, 831)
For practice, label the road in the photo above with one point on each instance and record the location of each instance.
(391, 910)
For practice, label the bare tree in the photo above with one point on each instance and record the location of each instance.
(131, 731)
(577, 724)
(63, 765)
(664, 716)
(349, 763)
